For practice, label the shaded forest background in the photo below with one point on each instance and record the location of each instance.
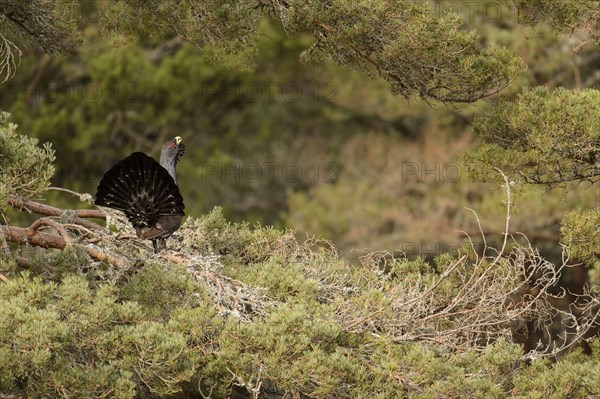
(313, 147)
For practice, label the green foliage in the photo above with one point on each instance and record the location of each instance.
(69, 339)
(235, 242)
(580, 233)
(401, 43)
(563, 15)
(53, 265)
(280, 353)
(155, 331)
(47, 24)
(53, 26)
(293, 347)
(25, 168)
(282, 280)
(439, 60)
(574, 376)
(223, 28)
(545, 137)
(253, 310)
(158, 293)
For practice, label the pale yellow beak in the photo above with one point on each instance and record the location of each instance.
(178, 140)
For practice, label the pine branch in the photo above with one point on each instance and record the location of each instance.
(72, 218)
(47, 210)
(30, 235)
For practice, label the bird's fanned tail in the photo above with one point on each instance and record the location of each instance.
(141, 188)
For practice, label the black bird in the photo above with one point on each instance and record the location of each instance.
(147, 192)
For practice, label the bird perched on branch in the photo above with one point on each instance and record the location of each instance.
(147, 192)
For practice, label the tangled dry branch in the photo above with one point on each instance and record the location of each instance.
(10, 58)
(478, 298)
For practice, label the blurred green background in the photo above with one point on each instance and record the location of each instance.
(320, 149)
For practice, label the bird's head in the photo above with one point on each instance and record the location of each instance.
(173, 150)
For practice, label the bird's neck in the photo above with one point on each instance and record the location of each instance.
(170, 167)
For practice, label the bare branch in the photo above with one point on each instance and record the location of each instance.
(42, 209)
(31, 236)
(10, 58)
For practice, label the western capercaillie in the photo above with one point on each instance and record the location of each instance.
(147, 192)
